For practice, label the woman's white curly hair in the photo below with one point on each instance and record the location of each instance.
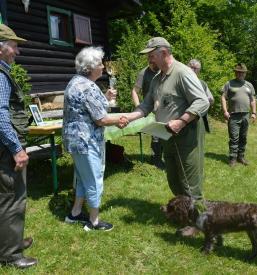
(88, 59)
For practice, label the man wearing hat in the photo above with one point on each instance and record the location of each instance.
(142, 84)
(177, 98)
(238, 99)
(13, 158)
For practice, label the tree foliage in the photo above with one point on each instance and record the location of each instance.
(21, 77)
(236, 23)
(179, 21)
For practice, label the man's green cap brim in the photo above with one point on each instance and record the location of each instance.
(17, 39)
(147, 50)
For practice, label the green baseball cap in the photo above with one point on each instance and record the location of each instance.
(154, 43)
(8, 34)
(240, 67)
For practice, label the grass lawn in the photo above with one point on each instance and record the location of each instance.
(142, 242)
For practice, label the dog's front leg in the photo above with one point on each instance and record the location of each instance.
(208, 243)
(253, 238)
(219, 240)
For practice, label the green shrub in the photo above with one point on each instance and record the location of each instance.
(130, 63)
(176, 21)
(21, 77)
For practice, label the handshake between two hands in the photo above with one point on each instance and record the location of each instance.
(123, 122)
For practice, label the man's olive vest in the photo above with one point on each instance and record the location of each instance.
(18, 114)
(147, 78)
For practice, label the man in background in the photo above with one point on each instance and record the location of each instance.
(13, 158)
(238, 99)
(142, 84)
(195, 65)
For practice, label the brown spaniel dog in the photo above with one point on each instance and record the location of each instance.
(216, 218)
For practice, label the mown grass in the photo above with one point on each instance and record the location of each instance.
(142, 242)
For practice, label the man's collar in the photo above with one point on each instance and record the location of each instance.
(5, 65)
(171, 67)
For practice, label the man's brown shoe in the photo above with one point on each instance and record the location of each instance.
(243, 161)
(232, 162)
(27, 242)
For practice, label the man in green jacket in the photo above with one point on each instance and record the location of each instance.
(142, 84)
(238, 99)
(177, 98)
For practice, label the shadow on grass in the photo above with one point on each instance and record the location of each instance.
(219, 157)
(40, 180)
(197, 243)
(111, 168)
(61, 204)
(143, 212)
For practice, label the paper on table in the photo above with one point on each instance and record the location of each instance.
(157, 129)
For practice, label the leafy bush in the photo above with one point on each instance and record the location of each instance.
(130, 63)
(21, 77)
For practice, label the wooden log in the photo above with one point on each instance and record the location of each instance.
(30, 60)
(46, 94)
(24, 18)
(48, 69)
(35, 36)
(49, 77)
(44, 87)
(46, 46)
(28, 27)
(46, 53)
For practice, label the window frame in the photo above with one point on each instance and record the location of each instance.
(53, 41)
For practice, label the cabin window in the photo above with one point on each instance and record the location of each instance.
(59, 26)
(82, 29)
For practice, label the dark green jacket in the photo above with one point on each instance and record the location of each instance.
(18, 114)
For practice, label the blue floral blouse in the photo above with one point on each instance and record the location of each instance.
(84, 103)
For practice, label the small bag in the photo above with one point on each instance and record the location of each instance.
(114, 153)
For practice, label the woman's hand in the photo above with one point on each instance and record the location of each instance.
(111, 94)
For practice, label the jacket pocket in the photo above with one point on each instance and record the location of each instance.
(7, 182)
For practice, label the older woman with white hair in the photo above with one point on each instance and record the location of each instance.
(85, 115)
(196, 66)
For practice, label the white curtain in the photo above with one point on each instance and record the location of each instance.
(54, 20)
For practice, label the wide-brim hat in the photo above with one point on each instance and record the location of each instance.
(241, 67)
(154, 43)
(7, 33)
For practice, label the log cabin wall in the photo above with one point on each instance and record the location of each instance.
(50, 66)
